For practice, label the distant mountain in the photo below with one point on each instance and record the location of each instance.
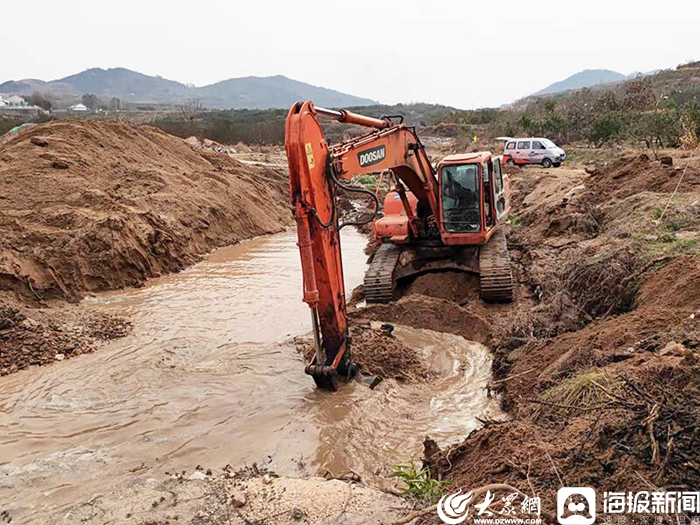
(126, 84)
(636, 74)
(272, 92)
(583, 79)
(131, 86)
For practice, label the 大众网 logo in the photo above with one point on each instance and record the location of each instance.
(453, 509)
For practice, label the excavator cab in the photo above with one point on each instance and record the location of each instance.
(474, 197)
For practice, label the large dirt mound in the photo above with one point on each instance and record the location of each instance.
(100, 205)
(632, 174)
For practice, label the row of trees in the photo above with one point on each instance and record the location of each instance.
(92, 102)
(227, 127)
(635, 112)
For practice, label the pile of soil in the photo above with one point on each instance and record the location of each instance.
(458, 287)
(377, 352)
(31, 336)
(632, 174)
(90, 206)
(441, 315)
(598, 359)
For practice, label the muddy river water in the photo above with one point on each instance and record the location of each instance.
(210, 376)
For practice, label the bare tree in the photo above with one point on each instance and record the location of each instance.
(190, 109)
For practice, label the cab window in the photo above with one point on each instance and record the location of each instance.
(497, 177)
(500, 189)
(510, 145)
(524, 145)
(536, 144)
(488, 198)
(460, 198)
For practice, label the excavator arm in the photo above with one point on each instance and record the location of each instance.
(315, 171)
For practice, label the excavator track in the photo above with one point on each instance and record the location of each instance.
(379, 279)
(495, 273)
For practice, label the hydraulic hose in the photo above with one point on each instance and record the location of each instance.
(375, 199)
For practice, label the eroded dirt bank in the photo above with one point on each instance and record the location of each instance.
(90, 206)
(597, 358)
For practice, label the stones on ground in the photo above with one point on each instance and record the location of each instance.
(38, 141)
(238, 498)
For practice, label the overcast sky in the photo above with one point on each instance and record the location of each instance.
(441, 51)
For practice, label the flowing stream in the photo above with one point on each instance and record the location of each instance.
(211, 376)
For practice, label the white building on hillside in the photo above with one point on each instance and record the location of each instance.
(16, 100)
(78, 107)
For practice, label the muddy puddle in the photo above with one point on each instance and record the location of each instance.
(210, 377)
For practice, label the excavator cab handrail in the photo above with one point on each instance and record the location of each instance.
(389, 118)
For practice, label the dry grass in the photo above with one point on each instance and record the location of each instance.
(603, 285)
(584, 392)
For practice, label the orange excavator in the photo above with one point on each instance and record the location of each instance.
(435, 219)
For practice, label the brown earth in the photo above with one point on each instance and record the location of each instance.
(432, 313)
(88, 206)
(32, 336)
(107, 204)
(458, 287)
(377, 352)
(598, 358)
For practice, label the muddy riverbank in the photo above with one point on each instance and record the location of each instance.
(90, 206)
(598, 363)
